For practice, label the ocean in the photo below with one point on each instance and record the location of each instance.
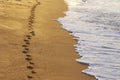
(95, 24)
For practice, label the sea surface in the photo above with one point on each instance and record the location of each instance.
(96, 26)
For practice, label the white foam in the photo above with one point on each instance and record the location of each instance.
(96, 26)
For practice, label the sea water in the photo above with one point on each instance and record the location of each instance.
(96, 26)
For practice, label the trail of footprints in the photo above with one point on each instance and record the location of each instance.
(26, 45)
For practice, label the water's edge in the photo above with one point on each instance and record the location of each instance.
(96, 28)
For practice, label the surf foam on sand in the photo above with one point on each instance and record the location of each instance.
(96, 26)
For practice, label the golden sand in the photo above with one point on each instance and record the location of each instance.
(50, 48)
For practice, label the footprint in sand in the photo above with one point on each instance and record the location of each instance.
(31, 21)
(26, 40)
(25, 52)
(33, 72)
(25, 46)
(28, 55)
(28, 58)
(26, 49)
(27, 43)
(32, 63)
(32, 33)
(29, 77)
(30, 67)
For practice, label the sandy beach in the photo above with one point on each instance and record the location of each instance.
(33, 46)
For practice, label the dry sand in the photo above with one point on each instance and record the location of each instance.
(51, 49)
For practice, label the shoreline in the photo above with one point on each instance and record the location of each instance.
(51, 48)
(57, 51)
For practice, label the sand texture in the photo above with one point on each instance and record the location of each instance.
(33, 46)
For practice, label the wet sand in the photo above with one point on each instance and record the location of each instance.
(33, 46)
